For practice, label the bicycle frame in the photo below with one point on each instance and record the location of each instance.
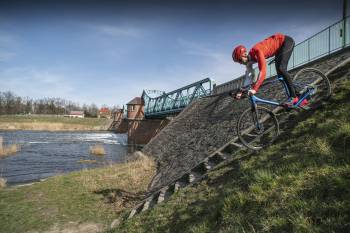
(254, 99)
(260, 122)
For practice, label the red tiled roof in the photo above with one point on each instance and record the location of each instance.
(104, 110)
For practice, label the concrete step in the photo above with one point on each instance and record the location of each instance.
(175, 186)
(201, 168)
(145, 205)
(135, 210)
(217, 158)
(193, 176)
(148, 203)
(231, 148)
(185, 179)
(207, 165)
(236, 144)
(162, 194)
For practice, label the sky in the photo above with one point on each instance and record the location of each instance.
(108, 52)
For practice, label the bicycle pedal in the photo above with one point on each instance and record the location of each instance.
(306, 107)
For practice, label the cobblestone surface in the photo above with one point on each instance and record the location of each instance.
(206, 125)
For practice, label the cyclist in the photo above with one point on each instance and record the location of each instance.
(278, 45)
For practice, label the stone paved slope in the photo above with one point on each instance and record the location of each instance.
(205, 126)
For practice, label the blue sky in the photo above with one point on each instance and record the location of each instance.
(107, 52)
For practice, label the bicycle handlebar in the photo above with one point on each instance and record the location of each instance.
(243, 91)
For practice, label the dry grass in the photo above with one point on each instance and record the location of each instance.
(87, 161)
(51, 123)
(8, 149)
(128, 180)
(130, 176)
(97, 150)
(37, 126)
(2, 183)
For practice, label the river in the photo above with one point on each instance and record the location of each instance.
(44, 154)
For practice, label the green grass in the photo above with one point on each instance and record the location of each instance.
(299, 184)
(94, 196)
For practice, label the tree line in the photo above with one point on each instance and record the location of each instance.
(10, 103)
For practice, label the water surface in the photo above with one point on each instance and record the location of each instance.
(45, 154)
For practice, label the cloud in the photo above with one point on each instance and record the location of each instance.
(116, 31)
(300, 32)
(5, 56)
(6, 39)
(35, 83)
(216, 63)
(7, 42)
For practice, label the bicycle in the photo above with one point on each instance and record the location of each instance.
(258, 126)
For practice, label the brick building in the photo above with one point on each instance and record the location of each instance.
(104, 113)
(118, 114)
(135, 109)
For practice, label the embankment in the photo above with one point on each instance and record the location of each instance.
(299, 184)
(51, 123)
(83, 201)
(209, 123)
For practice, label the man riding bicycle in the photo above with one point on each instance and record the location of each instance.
(278, 45)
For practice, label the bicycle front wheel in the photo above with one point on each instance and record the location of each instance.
(314, 83)
(257, 129)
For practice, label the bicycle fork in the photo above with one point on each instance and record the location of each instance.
(255, 115)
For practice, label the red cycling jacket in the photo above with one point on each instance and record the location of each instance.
(262, 50)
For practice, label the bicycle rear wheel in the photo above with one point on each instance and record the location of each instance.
(313, 81)
(259, 129)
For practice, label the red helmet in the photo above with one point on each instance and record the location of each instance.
(238, 53)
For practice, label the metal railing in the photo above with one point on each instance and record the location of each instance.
(175, 101)
(323, 43)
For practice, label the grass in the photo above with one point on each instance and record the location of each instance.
(7, 150)
(2, 183)
(50, 123)
(76, 201)
(299, 184)
(86, 161)
(98, 150)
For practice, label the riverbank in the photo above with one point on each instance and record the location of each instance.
(299, 184)
(52, 123)
(84, 201)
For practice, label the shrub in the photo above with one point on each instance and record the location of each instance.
(8, 149)
(2, 182)
(97, 150)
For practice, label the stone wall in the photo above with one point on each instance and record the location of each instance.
(206, 125)
(140, 132)
(121, 127)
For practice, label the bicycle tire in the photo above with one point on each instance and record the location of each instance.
(312, 77)
(246, 123)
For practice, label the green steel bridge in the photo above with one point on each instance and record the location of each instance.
(330, 40)
(165, 104)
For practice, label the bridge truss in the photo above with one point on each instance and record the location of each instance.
(164, 104)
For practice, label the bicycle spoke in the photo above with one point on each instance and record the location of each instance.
(315, 81)
(254, 137)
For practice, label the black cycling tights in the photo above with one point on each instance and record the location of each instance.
(281, 60)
